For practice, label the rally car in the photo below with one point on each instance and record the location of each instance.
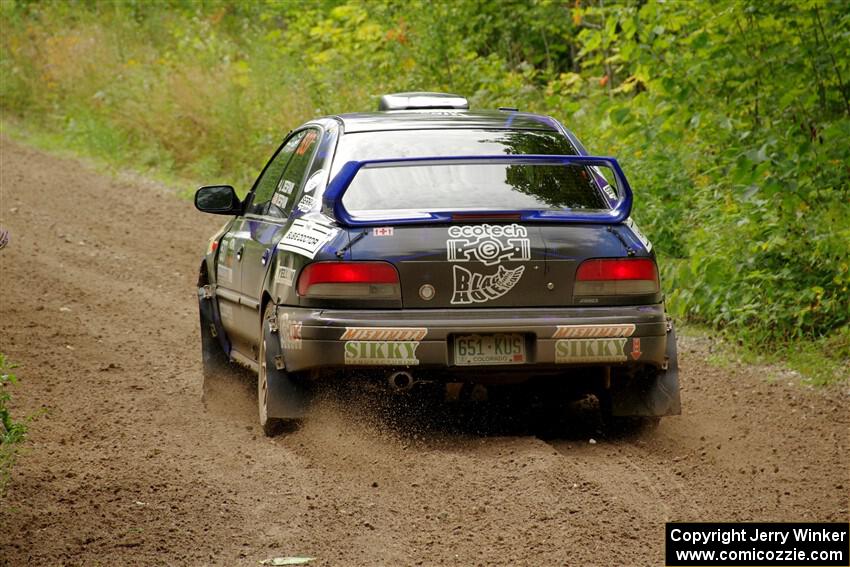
(430, 244)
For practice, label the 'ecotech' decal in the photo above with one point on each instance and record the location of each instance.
(306, 238)
(378, 353)
(590, 350)
(490, 245)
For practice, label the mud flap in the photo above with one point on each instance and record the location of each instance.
(289, 398)
(652, 395)
(215, 346)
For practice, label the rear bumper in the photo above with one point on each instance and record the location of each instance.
(554, 338)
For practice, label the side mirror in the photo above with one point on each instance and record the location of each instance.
(218, 200)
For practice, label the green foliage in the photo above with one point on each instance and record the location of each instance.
(731, 117)
(11, 432)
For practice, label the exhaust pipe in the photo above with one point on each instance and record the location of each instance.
(401, 381)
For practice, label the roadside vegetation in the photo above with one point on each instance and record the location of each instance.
(732, 118)
(12, 432)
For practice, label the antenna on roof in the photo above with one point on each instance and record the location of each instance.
(422, 101)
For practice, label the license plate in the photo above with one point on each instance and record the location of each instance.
(474, 350)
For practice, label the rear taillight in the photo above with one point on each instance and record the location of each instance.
(617, 276)
(349, 280)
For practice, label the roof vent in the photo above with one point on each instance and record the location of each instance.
(416, 101)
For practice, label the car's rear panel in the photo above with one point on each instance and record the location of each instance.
(487, 265)
(462, 265)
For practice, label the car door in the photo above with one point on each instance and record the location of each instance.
(231, 300)
(227, 280)
(264, 226)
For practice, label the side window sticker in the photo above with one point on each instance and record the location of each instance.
(285, 186)
(307, 142)
(279, 200)
(306, 204)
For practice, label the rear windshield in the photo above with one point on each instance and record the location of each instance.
(459, 187)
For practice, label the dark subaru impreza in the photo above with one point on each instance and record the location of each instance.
(430, 244)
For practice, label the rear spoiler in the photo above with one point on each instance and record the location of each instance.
(332, 200)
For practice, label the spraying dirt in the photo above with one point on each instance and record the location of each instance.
(126, 465)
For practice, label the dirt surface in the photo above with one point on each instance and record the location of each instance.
(125, 464)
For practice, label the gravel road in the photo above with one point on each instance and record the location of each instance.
(126, 465)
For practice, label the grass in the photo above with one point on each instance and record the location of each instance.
(63, 145)
(807, 358)
(804, 357)
(12, 432)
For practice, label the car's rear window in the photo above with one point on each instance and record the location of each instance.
(458, 187)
